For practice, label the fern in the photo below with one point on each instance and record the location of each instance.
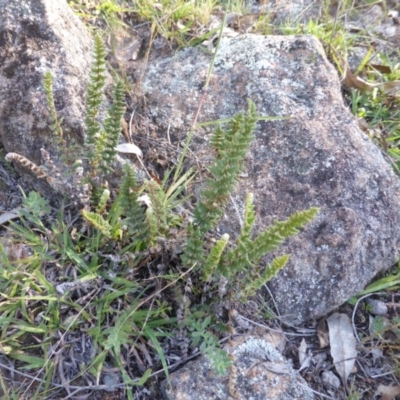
(225, 170)
(214, 257)
(255, 283)
(135, 214)
(157, 213)
(194, 249)
(119, 334)
(232, 146)
(55, 122)
(112, 128)
(94, 98)
(101, 206)
(271, 239)
(98, 222)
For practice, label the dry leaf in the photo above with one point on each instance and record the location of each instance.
(387, 392)
(381, 68)
(304, 358)
(343, 344)
(7, 216)
(323, 334)
(277, 339)
(352, 81)
(363, 124)
(278, 368)
(129, 148)
(302, 351)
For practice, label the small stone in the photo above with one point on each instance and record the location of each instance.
(377, 307)
(110, 380)
(330, 380)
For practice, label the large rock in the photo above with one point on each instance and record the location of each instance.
(37, 36)
(258, 371)
(317, 158)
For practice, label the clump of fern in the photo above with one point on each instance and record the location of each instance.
(231, 146)
(146, 212)
(234, 268)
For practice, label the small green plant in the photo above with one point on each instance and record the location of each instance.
(231, 147)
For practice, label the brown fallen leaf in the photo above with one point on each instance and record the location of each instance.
(387, 392)
(323, 334)
(343, 345)
(353, 81)
(384, 69)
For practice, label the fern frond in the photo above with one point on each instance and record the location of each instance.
(98, 222)
(101, 206)
(118, 335)
(217, 139)
(159, 212)
(112, 127)
(128, 198)
(249, 219)
(55, 122)
(269, 240)
(214, 257)
(270, 271)
(95, 95)
(233, 147)
(194, 251)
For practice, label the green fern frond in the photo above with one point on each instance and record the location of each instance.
(128, 198)
(101, 206)
(158, 207)
(55, 122)
(118, 335)
(217, 139)
(270, 239)
(95, 95)
(226, 168)
(98, 222)
(270, 271)
(112, 127)
(194, 250)
(249, 218)
(214, 257)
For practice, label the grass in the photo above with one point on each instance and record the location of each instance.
(69, 298)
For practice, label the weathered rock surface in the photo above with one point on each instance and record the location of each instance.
(317, 158)
(259, 372)
(37, 36)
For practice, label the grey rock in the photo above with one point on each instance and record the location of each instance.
(377, 307)
(37, 36)
(319, 157)
(330, 380)
(259, 372)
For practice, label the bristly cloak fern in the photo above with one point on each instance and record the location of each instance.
(232, 146)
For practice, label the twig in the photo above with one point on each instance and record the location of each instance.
(354, 313)
(276, 330)
(273, 300)
(237, 211)
(314, 391)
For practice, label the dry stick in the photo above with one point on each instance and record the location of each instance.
(354, 314)
(193, 127)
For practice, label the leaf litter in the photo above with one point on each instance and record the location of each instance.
(343, 345)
